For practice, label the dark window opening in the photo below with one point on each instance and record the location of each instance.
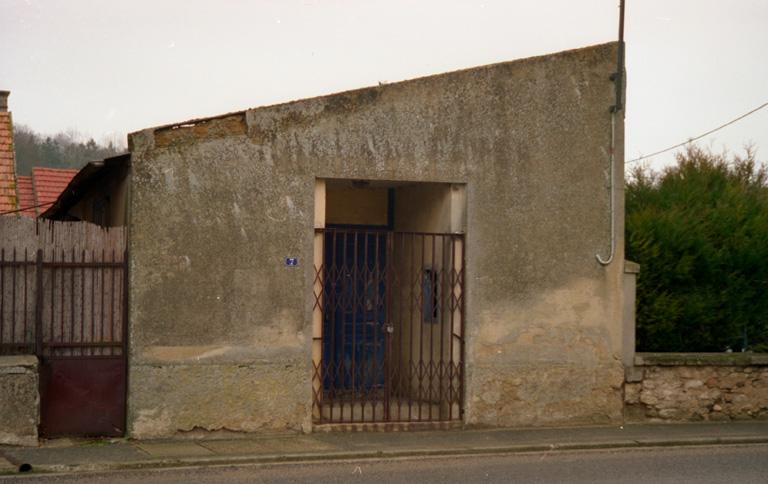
(100, 211)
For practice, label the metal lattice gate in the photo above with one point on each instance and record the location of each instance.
(391, 340)
(69, 309)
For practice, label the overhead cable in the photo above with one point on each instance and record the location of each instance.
(690, 140)
(27, 208)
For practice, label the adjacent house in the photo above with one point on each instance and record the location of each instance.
(41, 189)
(97, 194)
(26, 200)
(28, 195)
(7, 158)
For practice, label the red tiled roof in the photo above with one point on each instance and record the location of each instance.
(49, 183)
(26, 194)
(43, 187)
(7, 164)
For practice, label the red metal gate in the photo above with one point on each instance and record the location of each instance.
(69, 308)
(392, 336)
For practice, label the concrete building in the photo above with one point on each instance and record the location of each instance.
(416, 253)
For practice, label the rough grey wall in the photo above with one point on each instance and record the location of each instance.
(19, 400)
(218, 204)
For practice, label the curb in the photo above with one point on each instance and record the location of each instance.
(308, 458)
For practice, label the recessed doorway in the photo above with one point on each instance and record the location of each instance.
(389, 302)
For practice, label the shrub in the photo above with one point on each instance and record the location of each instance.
(699, 230)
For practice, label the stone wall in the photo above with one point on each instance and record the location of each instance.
(691, 387)
(19, 400)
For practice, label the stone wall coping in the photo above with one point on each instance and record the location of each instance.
(25, 361)
(701, 359)
(631, 267)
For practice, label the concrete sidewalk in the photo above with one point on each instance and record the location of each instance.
(91, 455)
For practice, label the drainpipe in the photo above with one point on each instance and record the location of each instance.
(617, 78)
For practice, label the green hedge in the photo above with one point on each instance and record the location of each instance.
(699, 231)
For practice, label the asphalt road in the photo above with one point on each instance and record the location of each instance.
(723, 464)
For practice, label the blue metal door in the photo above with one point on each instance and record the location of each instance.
(355, 341)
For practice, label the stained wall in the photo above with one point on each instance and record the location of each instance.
(221, 328)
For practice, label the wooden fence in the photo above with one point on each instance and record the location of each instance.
(62, 288)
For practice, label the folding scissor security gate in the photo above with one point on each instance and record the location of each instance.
(391, 335)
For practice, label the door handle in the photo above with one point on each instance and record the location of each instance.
(389, 328)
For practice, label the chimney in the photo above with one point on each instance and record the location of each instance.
(4, 101)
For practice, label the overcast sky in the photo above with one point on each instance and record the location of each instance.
(106, 68)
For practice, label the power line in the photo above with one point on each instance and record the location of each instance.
(690, 140)
(27, 208)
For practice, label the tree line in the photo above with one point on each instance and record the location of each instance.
(63, 150)
(699, 230)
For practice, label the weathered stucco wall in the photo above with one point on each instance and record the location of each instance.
(703, 386)
(221, 328)
(19, 400)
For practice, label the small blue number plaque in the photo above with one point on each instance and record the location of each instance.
(291, 261)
